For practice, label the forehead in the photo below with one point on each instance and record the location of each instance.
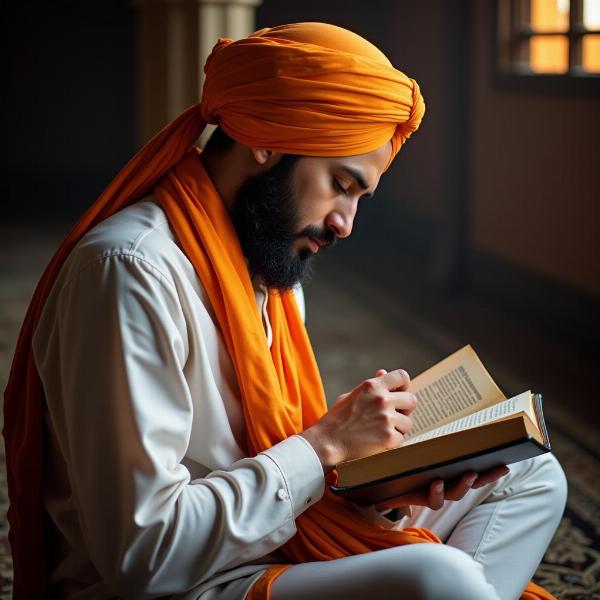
(369, 166)
(376, 159)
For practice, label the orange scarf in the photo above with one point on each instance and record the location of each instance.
(333, 94)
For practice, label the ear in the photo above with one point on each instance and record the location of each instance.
(262, 156)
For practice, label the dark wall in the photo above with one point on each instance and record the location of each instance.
(533, 180)
(67, 103)
(534, 170)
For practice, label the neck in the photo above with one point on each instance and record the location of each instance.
(226, 171)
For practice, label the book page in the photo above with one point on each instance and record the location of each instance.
(455, 387)
(512, 406)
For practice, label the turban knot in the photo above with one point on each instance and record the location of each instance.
(406, 129)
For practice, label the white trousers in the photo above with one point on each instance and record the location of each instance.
(495, 539)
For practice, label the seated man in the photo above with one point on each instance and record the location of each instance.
(166, 426)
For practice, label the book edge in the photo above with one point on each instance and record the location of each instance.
(520, 417)
(527, 438)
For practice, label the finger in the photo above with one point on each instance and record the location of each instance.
(341, 397)
(491, 476)
(380, 372)
(458, 490)
(402, 401)
(402, 423)
(436, 494)
(396, 380)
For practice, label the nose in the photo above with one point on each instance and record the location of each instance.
(341, 219)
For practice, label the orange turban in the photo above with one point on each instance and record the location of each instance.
(310, 89)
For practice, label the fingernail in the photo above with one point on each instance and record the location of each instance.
(439, 486)
(471, 480)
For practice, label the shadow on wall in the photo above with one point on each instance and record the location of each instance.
(68, 104)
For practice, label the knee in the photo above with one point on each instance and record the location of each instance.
(452, 574)
(552, 483)
(559, 484)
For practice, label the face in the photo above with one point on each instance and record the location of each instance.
(299, 207)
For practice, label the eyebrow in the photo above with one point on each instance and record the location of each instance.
(358, 176)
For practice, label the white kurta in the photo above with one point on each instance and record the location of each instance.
(147, 483)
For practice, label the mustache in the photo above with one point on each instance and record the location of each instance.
(326, 236)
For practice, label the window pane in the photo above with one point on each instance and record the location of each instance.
(549, 53)
(591, 53)
(550, 15)
(591, 14)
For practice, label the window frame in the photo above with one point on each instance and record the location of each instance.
(511, 28)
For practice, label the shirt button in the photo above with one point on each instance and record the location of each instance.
(282, 494)
(308, 500)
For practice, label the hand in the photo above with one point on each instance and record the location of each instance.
(439, 490)
(371, 418)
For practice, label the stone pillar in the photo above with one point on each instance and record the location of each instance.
(173, 39)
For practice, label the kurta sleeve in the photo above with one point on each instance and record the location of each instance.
(113, 369)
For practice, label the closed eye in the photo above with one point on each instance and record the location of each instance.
(338, 188)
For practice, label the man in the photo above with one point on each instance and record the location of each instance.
(165, 421)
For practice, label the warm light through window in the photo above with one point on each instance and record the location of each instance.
(550, 15)
(550, 37)
(549, 54)
(591, 53)
(591, 14)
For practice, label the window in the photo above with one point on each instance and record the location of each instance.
(549, 37)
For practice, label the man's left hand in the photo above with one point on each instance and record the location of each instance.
(438, 490)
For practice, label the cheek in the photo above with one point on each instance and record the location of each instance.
(315, 196)
(309, 215)
(314, 204)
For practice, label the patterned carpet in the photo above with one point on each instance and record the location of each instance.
(352, 338)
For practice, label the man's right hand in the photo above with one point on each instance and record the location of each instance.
(371, 418)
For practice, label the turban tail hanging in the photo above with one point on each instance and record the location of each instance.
(311, 89)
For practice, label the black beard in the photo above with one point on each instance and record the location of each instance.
(266, 215)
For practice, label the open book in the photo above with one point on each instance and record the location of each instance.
(463, 422)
